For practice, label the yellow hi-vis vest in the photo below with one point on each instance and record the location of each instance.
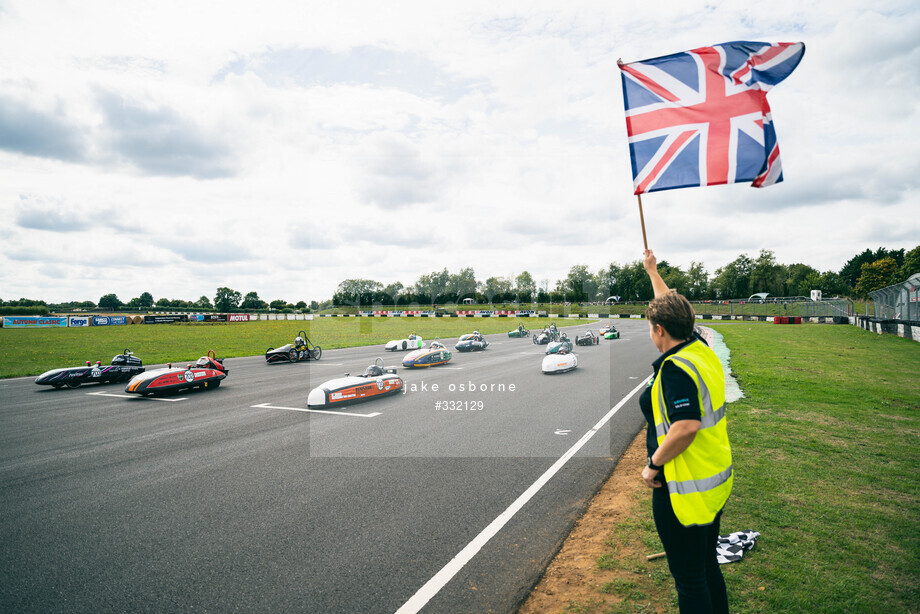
(700, 478)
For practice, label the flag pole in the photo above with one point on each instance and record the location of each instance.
(642, 221)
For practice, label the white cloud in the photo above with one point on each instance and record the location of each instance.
(178, 147)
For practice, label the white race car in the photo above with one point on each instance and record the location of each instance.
(559, 363)
(412, 342)
(377, 382)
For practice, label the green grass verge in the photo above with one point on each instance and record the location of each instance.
(34, 351)
(826, 448)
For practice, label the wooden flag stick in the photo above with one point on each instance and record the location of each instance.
(642, 220)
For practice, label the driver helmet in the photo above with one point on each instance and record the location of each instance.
(204, 361)
(298, 341)
(372, 371)
(436, 345)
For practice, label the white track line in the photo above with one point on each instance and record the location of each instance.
(431, 588)
(316, 411)
(134, 396)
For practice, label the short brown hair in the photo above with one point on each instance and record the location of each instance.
(674, 312)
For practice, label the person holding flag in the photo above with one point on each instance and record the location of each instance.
(689, 456)
(695, 118)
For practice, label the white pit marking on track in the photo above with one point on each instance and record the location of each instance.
(317, 411)
(135, 396)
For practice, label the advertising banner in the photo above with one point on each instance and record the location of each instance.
(238, 317)
(110, 320)
(165, 319)
(33, 321)
(78, 321)
(207, 317)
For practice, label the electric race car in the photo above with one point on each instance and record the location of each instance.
(377, 382)
(413, 341)
(435, 354)
(545, 336)
(609, 331)
(472, 342)
(520, 331)
(563, 346)
(205, 374)
(561, 362)
(124, 366)
(588, 338)
(301, 349)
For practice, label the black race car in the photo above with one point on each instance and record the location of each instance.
(124, 366)
(472, 342)
(545, 336)
(588, 338)
(301, 349)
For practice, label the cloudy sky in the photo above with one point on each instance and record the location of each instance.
(175, 147)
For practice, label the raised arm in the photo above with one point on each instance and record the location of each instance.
(651, 267)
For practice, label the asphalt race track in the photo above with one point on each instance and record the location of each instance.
(239, 499)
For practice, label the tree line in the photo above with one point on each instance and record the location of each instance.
(741, 278)
(863, 273)
(225, 300)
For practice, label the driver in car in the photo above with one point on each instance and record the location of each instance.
(300, 346)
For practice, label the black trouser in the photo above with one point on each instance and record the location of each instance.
(691, 558)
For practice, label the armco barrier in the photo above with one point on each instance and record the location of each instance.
(908, 329)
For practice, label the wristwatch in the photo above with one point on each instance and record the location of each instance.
(653, 466)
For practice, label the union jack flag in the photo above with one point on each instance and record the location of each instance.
(701, 117)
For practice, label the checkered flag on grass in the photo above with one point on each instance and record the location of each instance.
(731, 547)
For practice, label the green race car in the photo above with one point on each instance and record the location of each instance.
(520, 331)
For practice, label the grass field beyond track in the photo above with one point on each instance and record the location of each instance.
(826, 450)
(34, 351)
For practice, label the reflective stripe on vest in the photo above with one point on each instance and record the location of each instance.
(700, 478)
(688, 486)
